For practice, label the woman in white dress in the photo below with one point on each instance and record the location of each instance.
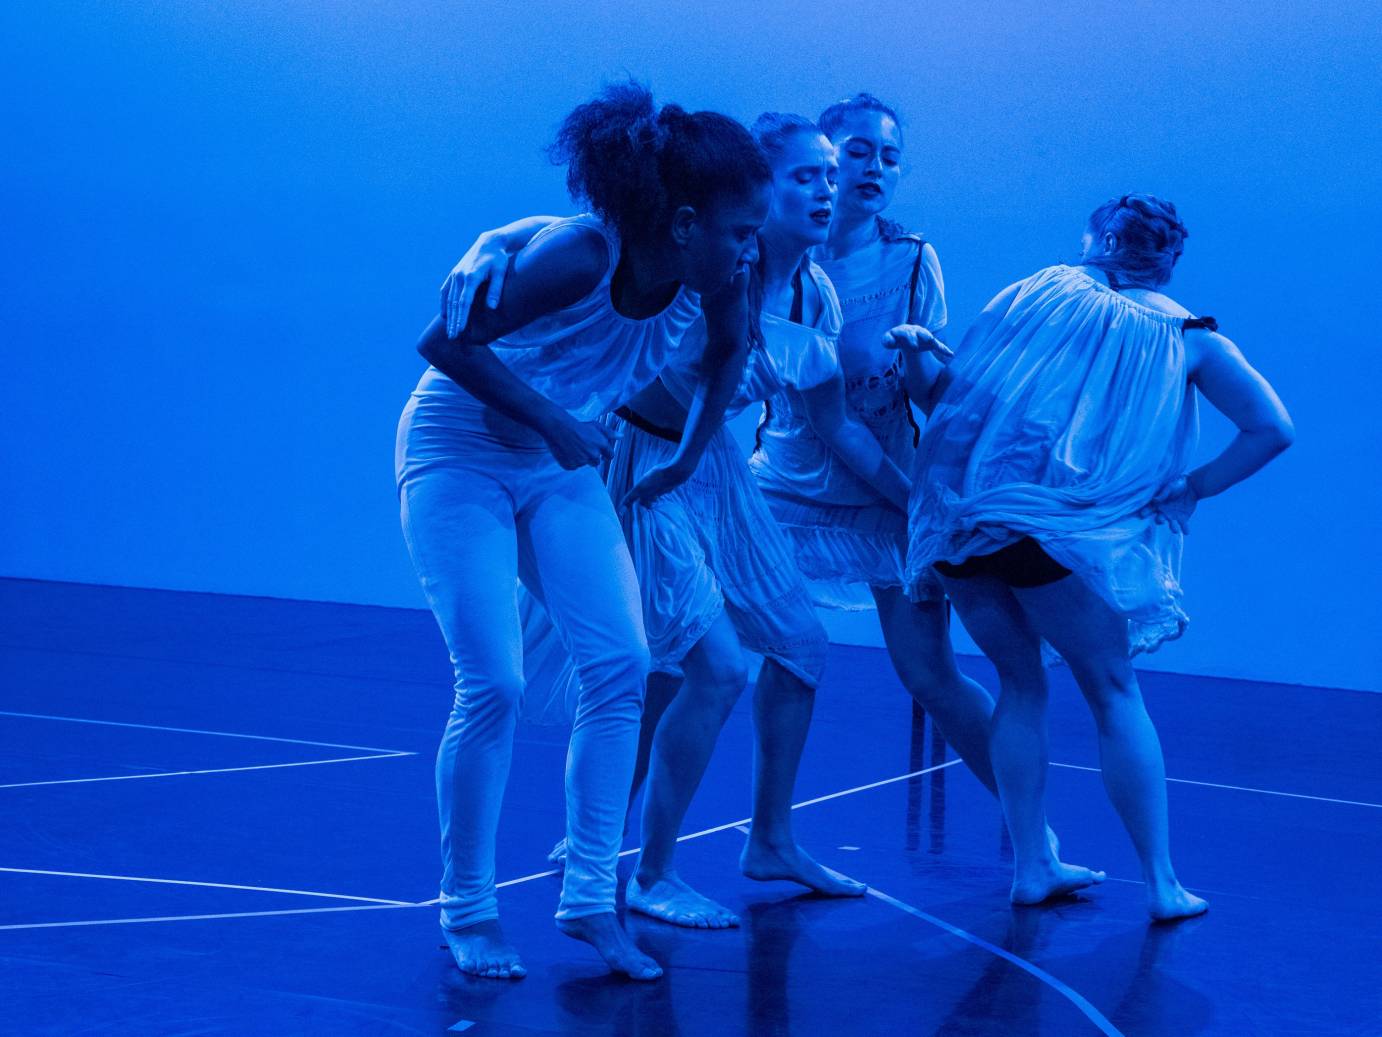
(848, 539)
(1052, 492)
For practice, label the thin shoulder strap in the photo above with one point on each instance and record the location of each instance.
(1208, 323)
(911, 319)
(915, 280)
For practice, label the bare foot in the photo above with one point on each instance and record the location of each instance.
(603, 932)
(481, 950)
(765, 863)
(557, 855)
(1052, 880)
(1174, 903)
(669, 899)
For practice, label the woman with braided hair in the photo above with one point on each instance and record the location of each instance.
(495, 457)
(1052, 493)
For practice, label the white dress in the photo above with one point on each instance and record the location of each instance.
(845, 536)
(1064, 418)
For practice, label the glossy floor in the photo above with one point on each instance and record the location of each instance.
(219, 820)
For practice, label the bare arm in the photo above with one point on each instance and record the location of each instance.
(924, 357)
(1226, 379)
(554, 273)
(927, 357)
(486, 261)
(1233, 388)
(855, 445)
(722, 366)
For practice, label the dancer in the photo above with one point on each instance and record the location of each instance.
(716, 572)
(849, 540)
(1052, 495)
(494, 453)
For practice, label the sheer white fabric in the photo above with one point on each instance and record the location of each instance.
(1065, 416)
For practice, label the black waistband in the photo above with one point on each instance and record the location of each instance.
(644, 425)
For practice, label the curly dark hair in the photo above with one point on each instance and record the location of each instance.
(635, 164)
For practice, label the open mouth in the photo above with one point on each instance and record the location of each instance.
(821, 216)
(870, 190)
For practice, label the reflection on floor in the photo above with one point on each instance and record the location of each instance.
(220, 819)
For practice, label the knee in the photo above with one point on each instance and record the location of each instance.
(494, 697)
(804, 658)
(723, 681)
(619, 671)
(1108, 685)
(925, 683)
(1025, 678)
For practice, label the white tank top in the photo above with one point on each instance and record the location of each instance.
(587, 358)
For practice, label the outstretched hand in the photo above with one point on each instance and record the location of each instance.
(485, 262)
(913, 338)
(1173, 505)
(655, 482)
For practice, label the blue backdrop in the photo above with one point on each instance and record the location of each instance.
(226, 222)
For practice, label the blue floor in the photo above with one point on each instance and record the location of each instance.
(249, 856)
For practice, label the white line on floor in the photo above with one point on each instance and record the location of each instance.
(1093, 1014)
(1073, 996)
(1241, 788)
(430, 903)
(208, 885)
(195, 731)
(209, 770)
(205, 918)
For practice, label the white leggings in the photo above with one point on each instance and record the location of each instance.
(477, 519)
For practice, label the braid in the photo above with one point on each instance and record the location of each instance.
(1150, 237)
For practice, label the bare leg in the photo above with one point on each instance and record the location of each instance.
(681, 750)
(1018, 741)
(1093, 639)
(917, 636)
(782, 706)
(662, 689)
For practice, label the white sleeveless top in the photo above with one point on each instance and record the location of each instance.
(587, 358)
(793, 356)
(1063, 419)
(876, 291)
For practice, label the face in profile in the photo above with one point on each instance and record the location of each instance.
(723, 239)
(804, 188)
(869, 148)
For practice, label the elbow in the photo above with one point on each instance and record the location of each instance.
(433, 342)
(834, 434)
(1283, 434)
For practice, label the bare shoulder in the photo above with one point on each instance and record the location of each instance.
(578, 246)
(1157, 301)
(556, 269)
(1207, 348)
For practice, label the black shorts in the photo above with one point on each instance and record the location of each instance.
(1023, 564)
